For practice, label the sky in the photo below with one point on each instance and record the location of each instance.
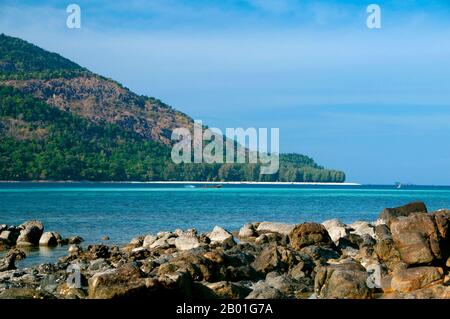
(372, 102)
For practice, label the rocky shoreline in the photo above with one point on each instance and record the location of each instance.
(404, 254)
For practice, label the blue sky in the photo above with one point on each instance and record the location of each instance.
(375, 103)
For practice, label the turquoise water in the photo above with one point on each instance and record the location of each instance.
(123, 211)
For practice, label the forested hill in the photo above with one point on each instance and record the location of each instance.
(59, 121)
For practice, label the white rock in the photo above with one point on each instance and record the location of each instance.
(220, 235)
(270, 227)
(138, 249)
(164, 234)
(248, 230)
(159, 243)
(73, 249)
(362, 228)
(137, 241)
(335, 228)
(187, 242)
(48, 239)
(148, 241)
(171, 241)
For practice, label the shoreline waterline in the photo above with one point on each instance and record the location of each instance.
(187, 182)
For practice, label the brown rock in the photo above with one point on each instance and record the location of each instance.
(228, 290)
(274, 258)
(433, 292)
(30, 234)
(125, 281)
(417, 239)
(442, 220)
(385, 247)
(67, 292)
(390, 214)
(416, 278)
(342, 281)
(308, 234)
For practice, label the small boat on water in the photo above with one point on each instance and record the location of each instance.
(210, 186)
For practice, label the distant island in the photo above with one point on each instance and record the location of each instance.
(59, 121)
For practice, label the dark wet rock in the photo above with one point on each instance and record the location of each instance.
(343, 281)
(308, 234)
(390, 214)
(320, 254)
(442, 220)
(99, 264)
(9, 237)
(75, 240)
(18, 253)
(140, 253)
(245, 251)
(350, 240)
(7, 263)
(272, 238)
(30, 233)
(4, 244)
(97, 251)
(417, 238)
(241, 273)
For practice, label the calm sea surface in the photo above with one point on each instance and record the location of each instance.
(123, 211)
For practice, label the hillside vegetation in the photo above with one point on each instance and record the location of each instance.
(59, 121)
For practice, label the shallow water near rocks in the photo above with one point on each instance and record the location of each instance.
(122, 211)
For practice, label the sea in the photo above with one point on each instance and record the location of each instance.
(122, 211)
